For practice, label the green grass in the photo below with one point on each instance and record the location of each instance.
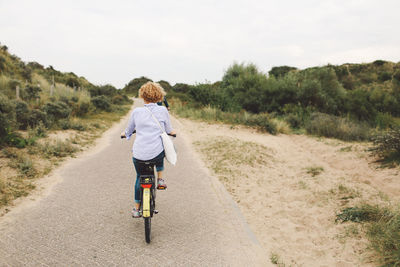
(382, 229)
(58, 148)
(23, 164)
(314, 170)
(321, 124)
(262, 121)
(276, 260)
(230, 158)
(344, 192)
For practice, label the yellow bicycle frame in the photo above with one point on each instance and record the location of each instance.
(146, 202)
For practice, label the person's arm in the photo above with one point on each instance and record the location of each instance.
(166, 102)
(167, 124)
(130, 128)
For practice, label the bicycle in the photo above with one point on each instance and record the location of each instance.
(148, 188)
(148, 185)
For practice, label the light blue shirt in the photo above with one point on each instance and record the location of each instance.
(148, 143)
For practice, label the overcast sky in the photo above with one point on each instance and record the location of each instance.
(196, 41)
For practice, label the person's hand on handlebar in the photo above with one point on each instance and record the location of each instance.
(173, 134)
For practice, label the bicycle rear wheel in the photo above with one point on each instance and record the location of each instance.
(147, 228)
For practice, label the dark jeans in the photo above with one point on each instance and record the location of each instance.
(159, 166)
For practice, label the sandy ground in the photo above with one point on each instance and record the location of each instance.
(291, 210)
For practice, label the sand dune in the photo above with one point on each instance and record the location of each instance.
(290, 188)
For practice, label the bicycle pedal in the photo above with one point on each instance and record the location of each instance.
(155, 211)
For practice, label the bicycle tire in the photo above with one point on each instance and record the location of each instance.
(147, 229)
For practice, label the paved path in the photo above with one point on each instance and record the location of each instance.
(85, 219)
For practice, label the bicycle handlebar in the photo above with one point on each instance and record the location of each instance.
(123, 136)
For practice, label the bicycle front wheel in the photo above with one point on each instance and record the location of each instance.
(147, 228)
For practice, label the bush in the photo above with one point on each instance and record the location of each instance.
(387, 145)
(24, 165)
(80, 109)
(36, 117)
(56, 111)
(104, 90)
(14, 139)
(383, 230)
(39, 131)
(244, 86)
(101, 102)
(384, 235)
(22, 114)
(281, 71)
(263, 122)
(67, 124)
(181, 88)
(58, 149)
(32, 92)
(384, 76)
(364, 213)
(294, 121)
(332, 126)
(384, 120)
(119, 99)
(134, 85)
(7, 118)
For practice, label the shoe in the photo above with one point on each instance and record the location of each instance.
(161, 185)
(136, 213)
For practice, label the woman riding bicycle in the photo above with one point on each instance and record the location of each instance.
(148, 144)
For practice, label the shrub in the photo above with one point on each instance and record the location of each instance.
(281, 126)
(7, 118)
(67, 124)
(64, 99)
(379, 62)
(14, 139)
(32, 92)
(105, 90)
(332, 126)
(58, 149)
(363, 213)
(36, 117)
(22, 114)
(101, 102)
(294, 121)
(263, 122)
(281, 71)
(383, 229)
(24, 165)
(384, 236)
(396, 76)
(387, 145)
(244, 86)
(57, 110)
(384, 120)
(181, 88)
(80, 109)
(384, 76)
(64, 124)
(40, 130)
(117, 99)
(133, 86)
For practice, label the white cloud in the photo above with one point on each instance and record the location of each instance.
(189, 41)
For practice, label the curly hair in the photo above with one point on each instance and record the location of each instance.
(152, 92)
